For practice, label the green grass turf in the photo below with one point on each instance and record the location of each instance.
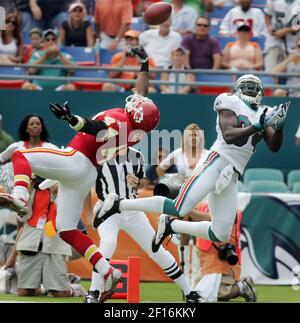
(170, 293)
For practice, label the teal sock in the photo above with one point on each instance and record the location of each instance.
(212, 236)
(169, 207)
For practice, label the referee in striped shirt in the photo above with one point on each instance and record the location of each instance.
(123, 176)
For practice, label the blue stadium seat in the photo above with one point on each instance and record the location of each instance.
(293, 177)
(223, 40)
(220, 12)
(258, 3)
(90, 73)
(296, 188)
(214, 27)
(260, 41)
(11, 71)
(106, 55)
(214, 78)
(26, 38)
(137, 23)
(80, 54)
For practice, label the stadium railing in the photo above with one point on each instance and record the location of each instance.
(7, 75)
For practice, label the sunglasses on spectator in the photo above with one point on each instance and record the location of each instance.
(202, 25)
(77, 10)
(11, 21)
(50, 39)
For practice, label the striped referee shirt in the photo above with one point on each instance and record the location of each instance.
(112, 175)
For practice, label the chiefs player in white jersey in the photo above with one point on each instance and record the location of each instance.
(241, 123)
(74, 167)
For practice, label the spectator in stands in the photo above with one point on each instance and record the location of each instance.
(112, 20)
(159, 43)
(290, 65)
(76, 31)
(244, 13)
(202, 51)
(5, 138)
(283, 29)
(183, 17)
(50, 54)
(126, 59)
(151, 174)
(36, 44)
(11, 45)
(220, 279)
(42, 259)
(297, 135)
(178, 57)
(47, 14)
(185, 159)
(242, 54)
(32, 133)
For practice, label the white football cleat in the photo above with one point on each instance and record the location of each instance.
(19, 205)
(164, 229)
(111, 279)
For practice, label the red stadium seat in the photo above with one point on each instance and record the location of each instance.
(11, 84)
(86, 63)
(88, 86)
(213, 90)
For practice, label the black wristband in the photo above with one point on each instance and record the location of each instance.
(145, 67)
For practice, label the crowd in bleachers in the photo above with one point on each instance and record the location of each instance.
(242, 35)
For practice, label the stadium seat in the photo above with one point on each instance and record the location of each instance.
(267, 80)
(241, 187)
(260, 41)
(88, 86)
(80, 54)
(223, 40)
(26, 38)
(106, 55)
(258, 3)
(293, 177)
(214, 27)
(213, 78)
(254, 174)
(219, 12)
(267, 186)
(296, 188)
(11, 84)
(137, 23)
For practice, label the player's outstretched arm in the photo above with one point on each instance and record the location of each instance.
(232, 134)
(142, 82)
(76, 122)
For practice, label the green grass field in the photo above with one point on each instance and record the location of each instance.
(169, 293)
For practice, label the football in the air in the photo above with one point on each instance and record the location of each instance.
(157, 13)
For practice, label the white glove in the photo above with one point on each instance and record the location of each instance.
(277, 117)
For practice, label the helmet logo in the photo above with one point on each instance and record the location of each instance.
(138, 115)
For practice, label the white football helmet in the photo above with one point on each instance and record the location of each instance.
(249, 88)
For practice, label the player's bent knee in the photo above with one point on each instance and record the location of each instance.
(219, 235)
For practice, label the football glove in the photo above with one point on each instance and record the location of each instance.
(61, 112)
(277, 119)
(140, 53)
(64, 113)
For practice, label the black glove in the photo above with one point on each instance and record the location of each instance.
(61, 112)
(140, 53)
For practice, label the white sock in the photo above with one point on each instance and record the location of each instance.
(96, 282)
(197, 229)
(183, 284)
(150, 204)
(20, 192)
(240, 286)
(102, 266)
